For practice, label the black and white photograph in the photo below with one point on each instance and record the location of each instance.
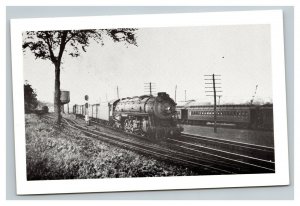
(151, 102)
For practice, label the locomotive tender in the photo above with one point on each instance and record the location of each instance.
(145, 115)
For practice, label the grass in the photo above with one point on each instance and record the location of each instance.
(61, 153)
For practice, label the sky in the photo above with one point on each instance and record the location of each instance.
(180, 56)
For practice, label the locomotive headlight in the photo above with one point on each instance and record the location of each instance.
(167, 108)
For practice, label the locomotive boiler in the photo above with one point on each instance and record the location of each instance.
(147, 115)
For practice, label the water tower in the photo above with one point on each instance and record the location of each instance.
(64, 99)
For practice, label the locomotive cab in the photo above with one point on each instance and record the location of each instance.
(184, 115)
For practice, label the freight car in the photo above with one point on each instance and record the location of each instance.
(152, 116)
(242, 116)
(44, 110)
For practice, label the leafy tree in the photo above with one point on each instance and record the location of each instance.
(51, 45)
(30, 98)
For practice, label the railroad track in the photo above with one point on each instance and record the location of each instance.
(246, 163)
(211, 154)
(259, 151)
(157, 151)
(256, 157)
(247, 158)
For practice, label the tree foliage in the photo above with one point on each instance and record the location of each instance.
(30, 98)
(51, 45)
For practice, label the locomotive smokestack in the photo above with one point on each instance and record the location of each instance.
(161, 94)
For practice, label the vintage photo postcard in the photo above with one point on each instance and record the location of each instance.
(149, 102)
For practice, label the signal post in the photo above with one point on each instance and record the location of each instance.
(86, 118)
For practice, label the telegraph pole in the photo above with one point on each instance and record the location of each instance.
(215, 103)
(118, 92)
(149, 88)
(253, 96)
(175, 92)
(185, 95)
(212, 82)
(219, 96)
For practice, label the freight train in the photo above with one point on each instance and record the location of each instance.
(43, 110)
(241, 116)
(147, 115)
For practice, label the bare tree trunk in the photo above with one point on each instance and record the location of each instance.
(57, 103)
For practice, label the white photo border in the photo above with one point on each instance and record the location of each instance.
(272, 17)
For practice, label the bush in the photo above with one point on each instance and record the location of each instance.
(30, 98)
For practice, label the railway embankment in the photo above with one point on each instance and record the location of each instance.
(63, 153)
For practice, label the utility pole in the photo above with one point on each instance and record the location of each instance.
(149, 88)
(253, 96)
(212, 82)
(219, 96)
(185, 95)
(175, 92)
(118, 92)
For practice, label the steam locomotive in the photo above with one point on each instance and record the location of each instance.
(147, 115)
